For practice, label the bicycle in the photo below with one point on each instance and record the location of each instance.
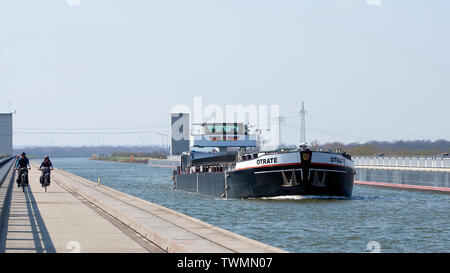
(45, 178)
(23, 177)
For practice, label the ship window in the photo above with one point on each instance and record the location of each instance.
(224, 128)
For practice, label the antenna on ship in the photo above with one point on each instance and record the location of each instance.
(302, 127)
(281, 121)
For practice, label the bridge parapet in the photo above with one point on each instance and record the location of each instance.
(403, 161)
(5, 166)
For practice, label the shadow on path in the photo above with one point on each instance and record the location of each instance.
(24, 229)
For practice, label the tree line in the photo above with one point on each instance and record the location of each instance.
(400, 147)
(154, 154)
(87, 151)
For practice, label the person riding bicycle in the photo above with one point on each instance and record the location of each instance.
(45, 164)
(22, 165)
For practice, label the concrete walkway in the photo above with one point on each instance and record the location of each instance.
(59, 221)
(77, 215)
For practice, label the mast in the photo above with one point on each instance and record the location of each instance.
(302, 127)
(281, 121)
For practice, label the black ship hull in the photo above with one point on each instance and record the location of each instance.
(295, 179)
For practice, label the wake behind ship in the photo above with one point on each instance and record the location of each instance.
(240, 174)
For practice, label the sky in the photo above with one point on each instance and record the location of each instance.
(109, 72)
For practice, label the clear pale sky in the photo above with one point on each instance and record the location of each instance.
(366, 72)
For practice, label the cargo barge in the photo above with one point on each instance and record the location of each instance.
(241, 174)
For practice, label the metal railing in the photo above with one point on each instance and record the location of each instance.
(5, 165)
(403, 161)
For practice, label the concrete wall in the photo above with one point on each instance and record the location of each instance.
(408, 177)
(179, 133)
(6, 142)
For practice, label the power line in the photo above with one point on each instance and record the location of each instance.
(86, 133)
(366, 127)
(328, 133)
(94, 129)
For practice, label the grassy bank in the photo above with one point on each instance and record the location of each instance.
(121, 159)
(125, 159)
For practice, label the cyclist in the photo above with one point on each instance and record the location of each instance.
(22, 165)
(45, 164)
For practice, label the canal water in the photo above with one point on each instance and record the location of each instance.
(393, 220)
